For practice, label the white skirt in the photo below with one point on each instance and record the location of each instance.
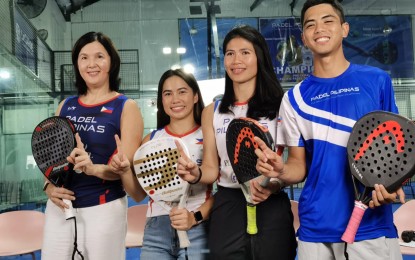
(101, 232)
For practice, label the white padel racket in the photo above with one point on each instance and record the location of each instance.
(155, 165)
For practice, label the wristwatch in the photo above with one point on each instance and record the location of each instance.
(198, 217)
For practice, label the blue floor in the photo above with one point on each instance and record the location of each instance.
(134, 253)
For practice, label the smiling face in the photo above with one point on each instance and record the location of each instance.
(178, 98)
(94, 65)
(323, 31)
(241, 61)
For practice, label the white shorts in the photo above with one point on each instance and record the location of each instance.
(101, 232)
(380, 249)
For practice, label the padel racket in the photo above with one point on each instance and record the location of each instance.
(52, 142)
(155, 165)
(380, 150)
(240, 145)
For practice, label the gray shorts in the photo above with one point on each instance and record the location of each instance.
(380, 249)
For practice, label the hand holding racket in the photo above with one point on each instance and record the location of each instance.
(241, 145)
(269, 163)
(380, 150)
(53, 140)
(155, 165)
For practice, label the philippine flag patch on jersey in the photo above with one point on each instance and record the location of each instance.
(279, 121)
(199, 141)
(107, 110)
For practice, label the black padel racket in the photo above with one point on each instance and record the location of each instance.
(240, 145)
(380, 150)
(155, 165)
(52, 142)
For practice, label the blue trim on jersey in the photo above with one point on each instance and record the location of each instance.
(67, 100)
(217, 102)
(154, 132)
(316, 118)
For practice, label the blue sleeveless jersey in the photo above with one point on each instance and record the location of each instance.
(318, 114)
(96, 124)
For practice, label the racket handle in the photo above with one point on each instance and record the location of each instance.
(183, 239)
(69, 213)
(251, 227)
(354, 222)
(265, 182)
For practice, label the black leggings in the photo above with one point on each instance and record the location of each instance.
(227, 233)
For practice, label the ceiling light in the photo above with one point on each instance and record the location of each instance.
(175, 67)
(4, 74)
(181, 50)
(166, 50)
(189, 68)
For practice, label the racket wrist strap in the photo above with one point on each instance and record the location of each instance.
(198, 178)
(45, 186)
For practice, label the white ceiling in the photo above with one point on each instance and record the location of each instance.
(173, 9)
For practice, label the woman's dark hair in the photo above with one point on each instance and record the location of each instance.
(112, 52)
(268, 91)
(162, 118)
(334, 3)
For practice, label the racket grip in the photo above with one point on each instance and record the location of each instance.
(69, 213)
(265, 182)
(251, 228)
(354, 222)
(183, 239)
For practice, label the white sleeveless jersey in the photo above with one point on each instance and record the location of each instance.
(199, 193)
(227, 177)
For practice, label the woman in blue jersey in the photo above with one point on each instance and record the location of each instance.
(316, 130)
(179, 109)
(251, 90)
(98, 113)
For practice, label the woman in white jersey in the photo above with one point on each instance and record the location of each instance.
(180, 105)
(251, 90)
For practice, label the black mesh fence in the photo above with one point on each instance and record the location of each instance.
(65, 76)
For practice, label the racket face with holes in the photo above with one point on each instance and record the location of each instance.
(240, 145)
(155, 165)
(381, 150)
(53, 140)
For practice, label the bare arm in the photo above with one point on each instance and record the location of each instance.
(295, 166)
(187, 169)
(122, 166)
(270, 164)
(131, 132)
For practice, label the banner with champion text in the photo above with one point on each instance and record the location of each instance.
(380, 41)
